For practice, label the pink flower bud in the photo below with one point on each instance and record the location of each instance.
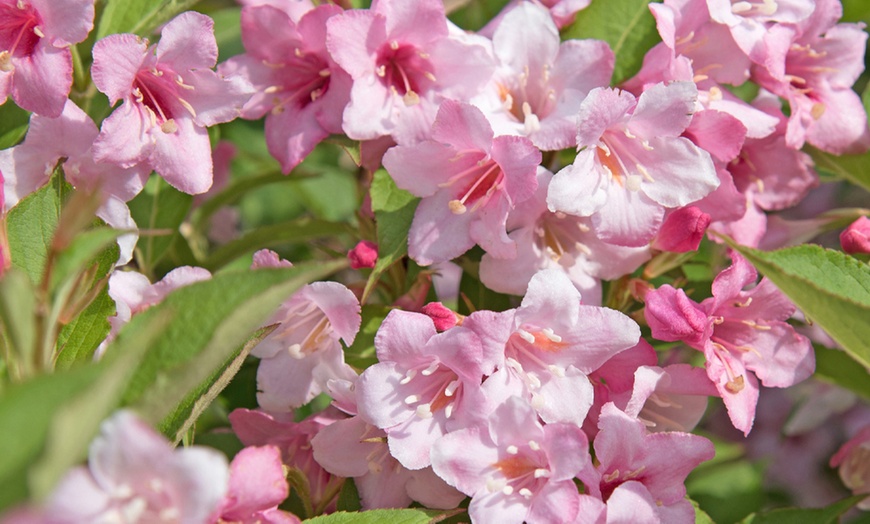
(856, 237)
(365, 254)
(683, 230)
(853, 461)
(443, 317)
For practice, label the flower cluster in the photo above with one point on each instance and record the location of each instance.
(572, 395)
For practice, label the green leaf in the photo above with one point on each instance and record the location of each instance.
(79, 339)
(381, 516)
(138, 16)
(28, 409)
(832, 289)
(348, 497)
(627, 25)
(853, 168)
(300, 230)
(210, 322)
(18, 317)
(74, 425)
(835, 366)
(82, 252)
(701, 516)
(14, 122)
(361, 354)
(827, 515)
(394, 211)
(31, 224)
(159, 210)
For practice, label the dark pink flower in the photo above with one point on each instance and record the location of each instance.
(170, 94)
(363, 255)
(856, 237)
(35, 60)
(683, 230)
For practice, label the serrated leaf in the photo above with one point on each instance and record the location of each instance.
(832, 289)
(300, 230)
(160, 209)
(394, 211)
(79, 340)
(827, 515)
(627, 25)
(138, 16)
(381, 516)
(31, 224)
(210, 320)
(853, 168)
(835, 366)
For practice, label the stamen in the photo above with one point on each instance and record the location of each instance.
(451, 388)
(526, 493)
(38, 32)
(169, 126)
(508, 490)
(431, 369)
(550, 335)
(542, 473)
(423, 411)
(534, 445)
(412, 399)
(556, 370)
(456, 207)
(525, 335)
(408, 376)
(513, 450)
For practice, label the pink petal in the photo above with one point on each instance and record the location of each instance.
(43, 80)
(183, 157)
(257, 482)
(117, 59)
(187, 42)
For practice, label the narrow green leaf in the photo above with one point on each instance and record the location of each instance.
(300, 230)
(394, 211)
(14, 122)
(832, 289)
(18, 317)
(138, 16)
(31, 224)
(348, 497)
(627, 25)
(159, 209)
(381, 516)
(835, 366)
(79, 340)
(827, 515)
(74, 425)
(853, 168)
(82, 252)
(210, 320)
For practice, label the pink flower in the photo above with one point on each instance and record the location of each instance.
(300, 89)
(635, 164)
(257, 486)
(35, 60)
(404, 62)
(469, 182)
(170, 96)
(738, 331)
(425, 385)
(658, 463)
(514, 468)
(443, 317)
(302, 354)
(853, 463)
(856, 237)
(549, 345)
(364, 254)
(683, 230)
(539, 83)
(134, 475)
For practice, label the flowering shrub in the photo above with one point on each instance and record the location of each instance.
(545, 261)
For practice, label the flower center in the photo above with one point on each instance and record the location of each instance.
(479, 182)
(436, 387)
(305, 79)
(159, 93)
(523, 469)
(19, 32)
(405, 70)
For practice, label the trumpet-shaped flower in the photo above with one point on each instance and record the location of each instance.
(469, 182)
(170, 95)
(635, 164)
(35, 60)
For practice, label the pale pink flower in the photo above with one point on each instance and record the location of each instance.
(135, 476)
(540, 81)
(404, 61)
(634, 164)
(304, 352)
(853, 463)
(469, 181)
(515, 469)
(170, 95)
(35, 59)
